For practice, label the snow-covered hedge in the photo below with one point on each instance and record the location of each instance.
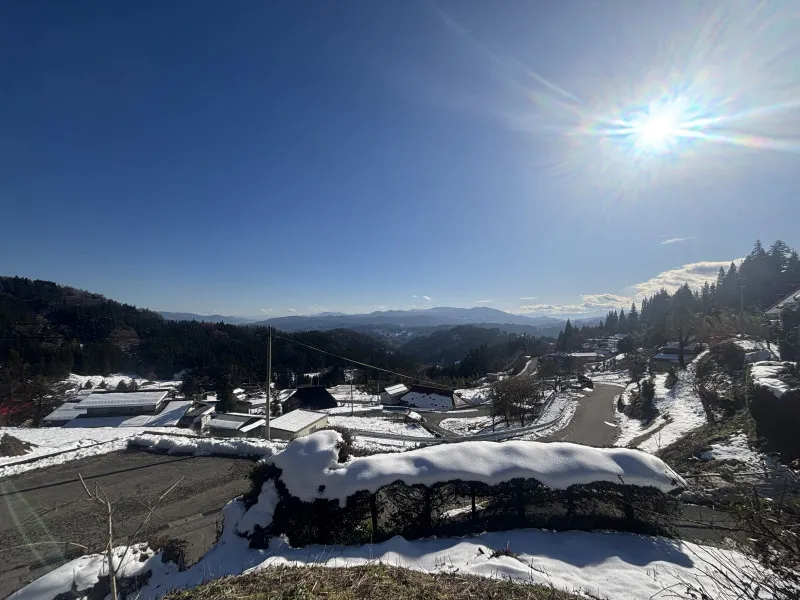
(306, 494)
(310, 468)
(772, 375)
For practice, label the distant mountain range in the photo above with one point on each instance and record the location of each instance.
(397, 320)
(181, 316)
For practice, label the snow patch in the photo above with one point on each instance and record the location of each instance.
(379, 425)
(262, 511)
(767, 374)
(198, 446)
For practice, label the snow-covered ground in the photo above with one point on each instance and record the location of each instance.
(620, 378)
(621, 566)
(346, 409)
(680, 411)
(70, 444)
(556, 416)
(379, 425)
(342, 396)
(734, 448)
(112, 381)
(478, 395)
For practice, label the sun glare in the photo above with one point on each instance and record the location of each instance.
(657, 131)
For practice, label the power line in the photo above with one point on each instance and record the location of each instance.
(356, 362)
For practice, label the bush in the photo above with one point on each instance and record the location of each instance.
(648, 390)
(672, 377)
(728, 355)
(172, 550)
(346, 447)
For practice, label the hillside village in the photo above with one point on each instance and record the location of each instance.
(674, 421)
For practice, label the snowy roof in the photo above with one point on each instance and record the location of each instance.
(113, 399)
(285, 394)
(253, 425)
(776, 308)
(584, 354)
(65, 412)
(167, 417)
(296, 420)
(229, 420)
(396, 390)
(311, 469)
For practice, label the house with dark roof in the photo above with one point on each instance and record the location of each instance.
(312, 397)
(774, 311)
(197, 417)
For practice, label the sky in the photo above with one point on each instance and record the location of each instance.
(273, 158)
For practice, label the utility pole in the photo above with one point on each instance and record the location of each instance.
(269, 382)
(741, 309)
(352, 410)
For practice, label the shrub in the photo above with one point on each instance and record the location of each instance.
(728, 355)
(672, 377)
(346, 447)
(172, 550)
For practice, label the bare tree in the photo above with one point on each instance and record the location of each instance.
(514, 398)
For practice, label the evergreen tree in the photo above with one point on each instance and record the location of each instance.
(226, 401)
(633, 318)
(122, 386)
(622, 324)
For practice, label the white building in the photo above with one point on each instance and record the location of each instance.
(296, 424)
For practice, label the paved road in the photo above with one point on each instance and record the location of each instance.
(48, 505)
(589, 424)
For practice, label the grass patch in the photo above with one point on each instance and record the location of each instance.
(372, 581)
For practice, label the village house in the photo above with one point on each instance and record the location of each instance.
(391, 394)
(234, 425)
(312, 397)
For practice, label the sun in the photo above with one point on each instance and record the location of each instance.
(657, 131)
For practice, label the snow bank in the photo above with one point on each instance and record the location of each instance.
(310, 468)
(56, 445)
(767, 374)
(251, 447)
(83, 573)
(734, 448)
(262, 511)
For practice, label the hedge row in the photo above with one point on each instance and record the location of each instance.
(421, 511)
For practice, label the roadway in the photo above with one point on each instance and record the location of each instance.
(593, 423)
(48, 505)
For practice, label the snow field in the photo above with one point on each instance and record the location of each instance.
(621, 566)
(379, 425)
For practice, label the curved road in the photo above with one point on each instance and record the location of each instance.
(590, 423)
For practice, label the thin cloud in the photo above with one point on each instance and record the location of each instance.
(414, 296)
(529, 297)
(427, 298)
(291, 310)
(590, 303)
(265, 310)
(695, 274)
(677, 240)
(481, 301)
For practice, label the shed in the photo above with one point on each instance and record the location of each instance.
(312, 397)
(123, 403)
(297, 424)
(232, 424)
(392, 393)
(197, 417)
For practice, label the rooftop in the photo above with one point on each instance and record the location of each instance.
(396, 390)
(65, 412)
(296, 420)
(113, 399)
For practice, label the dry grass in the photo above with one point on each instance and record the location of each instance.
(11, 446)
(373, 581)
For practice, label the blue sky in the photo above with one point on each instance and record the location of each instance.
(266, 158)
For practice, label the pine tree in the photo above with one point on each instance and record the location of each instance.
(622, 324)
(633, 318)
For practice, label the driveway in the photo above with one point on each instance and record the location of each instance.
(45, 506)
(593, 423)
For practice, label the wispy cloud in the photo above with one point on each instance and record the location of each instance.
(529, 297)
(427, 298)
(265, 310)
(695, 274)
(291, 310)
(414, 296)
(676, 240)
(481, 301)
(590, 303)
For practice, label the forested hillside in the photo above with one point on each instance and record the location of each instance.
(51, 330)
